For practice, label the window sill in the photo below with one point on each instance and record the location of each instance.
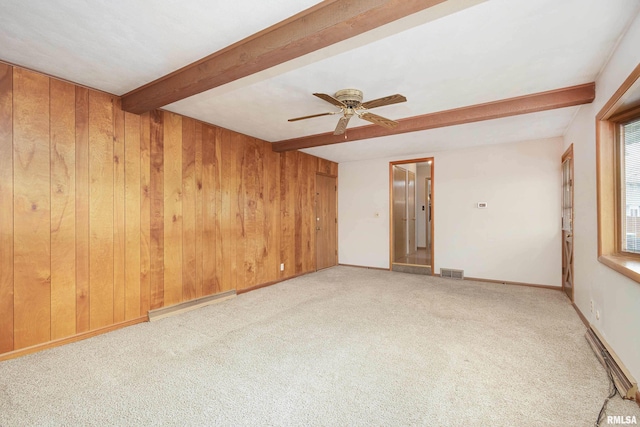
(623, 264)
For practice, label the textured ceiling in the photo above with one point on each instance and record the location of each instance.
(461, 53)
(119, 45)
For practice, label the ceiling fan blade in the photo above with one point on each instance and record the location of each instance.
(387, 100)
(379, 120)
(330, 99)
(310, 117)
(342, 125)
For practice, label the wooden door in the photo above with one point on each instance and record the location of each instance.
(411, 213)
(567, 223)
(326, 222)
(399, 212)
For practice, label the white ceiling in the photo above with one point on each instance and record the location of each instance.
(119, 45)
(458, 54)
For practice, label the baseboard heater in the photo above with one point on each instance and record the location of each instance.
(160, 313)
(622, 378)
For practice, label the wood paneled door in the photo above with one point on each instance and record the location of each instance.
(326, 221)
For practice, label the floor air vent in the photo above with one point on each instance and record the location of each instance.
(450, 273)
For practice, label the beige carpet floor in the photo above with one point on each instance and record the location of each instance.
(341, 347)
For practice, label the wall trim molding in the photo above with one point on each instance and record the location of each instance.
(364, 266)
(68, 340)
(508, 282)
(183, 307)
(580, 315)
(273, 282)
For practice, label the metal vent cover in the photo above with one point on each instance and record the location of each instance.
(450, 273)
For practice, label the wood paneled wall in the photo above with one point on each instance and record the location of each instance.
(105, 215)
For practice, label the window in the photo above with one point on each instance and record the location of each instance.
(618, 179)
(629, 146)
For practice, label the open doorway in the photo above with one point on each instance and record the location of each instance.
(411, 216)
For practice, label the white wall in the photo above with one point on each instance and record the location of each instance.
(516, 239)
(616, 297)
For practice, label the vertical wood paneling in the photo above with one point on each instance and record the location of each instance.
(101, 208)
(82, 210)
(119, 238)
(145, 213)
(288, 178)
(32, 220)
(106, 215)
(172, 208)
(228, 211)
(217, 193)
(156, 246)
(310, 218)
(271, 174)
(188, 209)
(210, 282)
(238, 143)
(6, 208)
(301, 197)
(63, 218)
(253, 218)
(132, 216)
(199, 214)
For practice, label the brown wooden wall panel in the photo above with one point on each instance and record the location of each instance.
(208, 210)
(107, 215)
(288, 177)
(156, 194)
(145, 213)
(216, 188)
(172, 148)
(119, 238)
(253, 183)
(132, 216)
(32, 215)
(227, 211)
(198, 209)
(82, 210)
(101, 208)
(271, 213)
(238, 143)
(188, 209)
(6, 210)
(63, 200)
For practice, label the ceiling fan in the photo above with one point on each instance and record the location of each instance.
(350, 103)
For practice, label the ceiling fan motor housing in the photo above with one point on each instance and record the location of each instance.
(352, 98)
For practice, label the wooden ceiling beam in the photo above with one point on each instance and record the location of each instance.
(542, 101)
(320, 26)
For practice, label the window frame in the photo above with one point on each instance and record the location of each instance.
(609, 178)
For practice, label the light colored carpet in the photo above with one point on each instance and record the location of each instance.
(342, 347)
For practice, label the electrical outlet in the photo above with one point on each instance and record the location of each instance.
(597, 314)
(282, 267)
(592, 306)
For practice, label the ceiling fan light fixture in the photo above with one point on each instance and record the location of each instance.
(350, 103)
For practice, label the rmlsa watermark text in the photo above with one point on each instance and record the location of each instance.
(622, 419)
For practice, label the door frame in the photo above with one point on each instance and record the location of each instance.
(404, 162)
(568, 155)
